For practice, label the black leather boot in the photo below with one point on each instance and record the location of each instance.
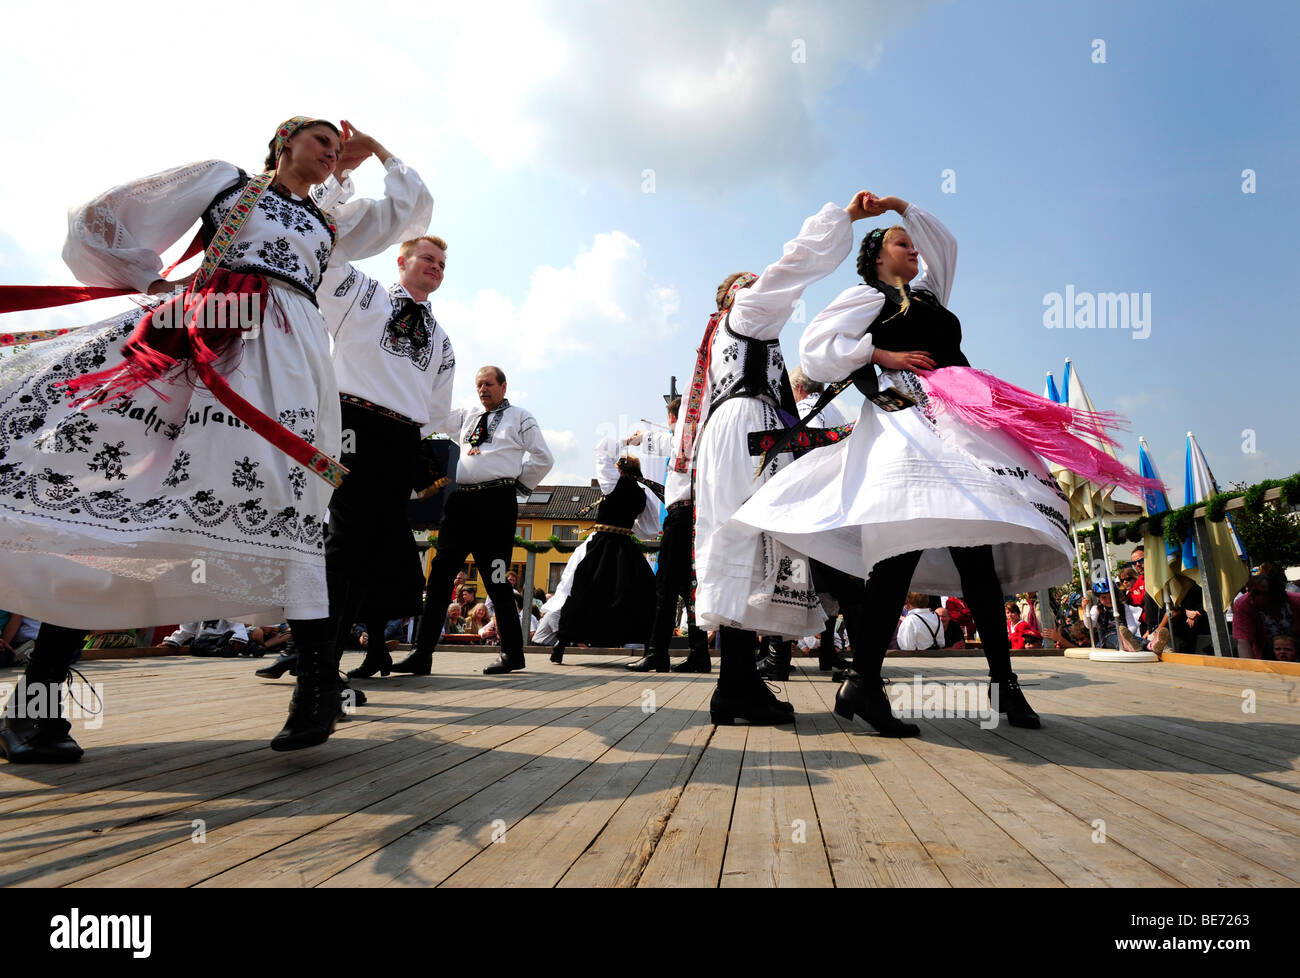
(417, 664)
(867, 699)
(505, 662)
(34, 730)
(1006, 697)
(651, 662)
(755, 703)
(286, 663)
(376, 661)
(38, 741)
(316, 704)
(557, 654)
(697, 661)
(776, 664)
(830, 661)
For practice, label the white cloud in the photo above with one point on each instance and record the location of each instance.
(693, 91)
(605, 295)
(560, 441)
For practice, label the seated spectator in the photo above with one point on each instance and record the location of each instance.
(920, 628)
(480, 623)
(954, 636)
(1072, 635)
(1188, 623)
(455, 623)
(1265, 610)
(1284, 648)
(215, 637)
(961, 615)
(1032, 639)
(1015, 626)
(268, 638)
(17, 639)
(1102, 617)
(467, 601)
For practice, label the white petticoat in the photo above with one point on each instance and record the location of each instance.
(903, 482)
(150, 511)
(746, 579)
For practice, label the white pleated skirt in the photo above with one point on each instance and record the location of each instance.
(162, 506)
(906, 481)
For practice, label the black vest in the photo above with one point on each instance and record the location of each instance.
(622, 506)
(926, 326)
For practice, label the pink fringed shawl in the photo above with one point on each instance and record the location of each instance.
(1054, 431)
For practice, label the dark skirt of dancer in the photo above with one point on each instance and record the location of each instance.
(613, 598)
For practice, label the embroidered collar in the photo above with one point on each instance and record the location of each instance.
(397, 292)
(486, 425)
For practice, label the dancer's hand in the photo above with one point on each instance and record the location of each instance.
(357, 146)
(161, 286)
(912, 360)
(633, 439)
(857, 208)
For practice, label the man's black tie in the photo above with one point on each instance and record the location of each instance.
(408, 321)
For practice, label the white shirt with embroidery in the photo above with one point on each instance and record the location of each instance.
(409, 374)
(513, 449)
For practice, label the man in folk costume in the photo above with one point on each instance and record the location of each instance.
(395, 366)
(675, 575)
(502, 452)
(739, 388)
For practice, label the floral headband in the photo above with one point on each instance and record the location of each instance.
(742, 282)
(871, 246)
(288, 128)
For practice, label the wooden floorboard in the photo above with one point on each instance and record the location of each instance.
(583, 774)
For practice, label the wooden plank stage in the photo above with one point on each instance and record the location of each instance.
(587, 775)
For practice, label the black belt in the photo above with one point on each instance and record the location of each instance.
(680, 504)
(361, 402)
(490, 484)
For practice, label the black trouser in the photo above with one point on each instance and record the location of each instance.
(886, 590)
(371, 561)
(675, 578)
(849, 593)
(479, 522)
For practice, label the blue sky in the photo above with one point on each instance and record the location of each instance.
(535, 123)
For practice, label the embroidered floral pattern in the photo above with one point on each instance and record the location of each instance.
(71, 434)
(179, 471)
(279, 256)
(108, 460)
(245, 476)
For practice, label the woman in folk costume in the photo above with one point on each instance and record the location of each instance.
(949, 494)
(751, 583)
(176, 463)
(606, 596)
